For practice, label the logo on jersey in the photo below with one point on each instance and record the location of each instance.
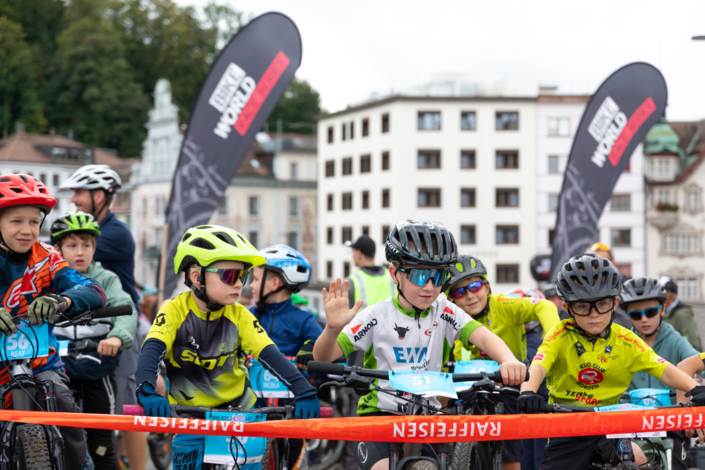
(428, 332)
(535, 300)
(538, 357)
(608, 349)
(447, 318)
(160, 320)
(257, 326)
(360, 331)
(30, 275)
(192, 342)
(410, 355)
(590, 376)
(580, 348)
(661, 360)
(401, 331)
(449, 310)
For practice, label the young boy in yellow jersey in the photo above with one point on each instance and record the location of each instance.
(590, 361)
(469, 289)
(200, 336)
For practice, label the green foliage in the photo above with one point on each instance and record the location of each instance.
(296, 108)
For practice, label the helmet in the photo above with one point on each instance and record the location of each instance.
(466, 266)
(25, 190)
(73, 222)
(588, 276)
(642, 288)
(291, 265)
(433, 244)
(550, 290)
(206, 244)
(532, 293)
(94, 177)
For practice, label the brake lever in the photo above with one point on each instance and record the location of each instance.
(79, 357)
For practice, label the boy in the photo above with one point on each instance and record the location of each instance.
(413, 330)
(74, 237)
(590, 360)
(36, 281)
(469, 289)
(200, 334)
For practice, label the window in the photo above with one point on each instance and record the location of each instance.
(467, 159)
(329, 202)
(346, 269)
(429, 121)
(43, 178)
(342, 135)
(507, 234)
(625, 268)
(687, 288)
(507, 159)
(559, 127)
(253, 238)
(551, 236)
(330, 134)
(292, 239)
(621, 203)
(352, 130)
(365, 163)
(621, 237)
(385, 161)
(692, 200)
(294, 204)
(366, 230)
(365, 199)
(429, 159)
(429, 197)
(293, 170)
(223, 206)
(347, 201)
(556, 164)
(329, 269)
(347, 166)
(467, 197)
(467, 234)
(365, 127)
(507, 273)
(681, 243)
(329, 235)
(253, 206)
(507, 121)
(467, 121)
(385, 123)
(385, 232)
(664, 196)
(144, 207)
(385, 198)
(347, 234)
(330, 168)
(553, 202)
(507, 198)
(55, 179)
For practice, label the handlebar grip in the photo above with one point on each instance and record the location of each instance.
(498, 376)
(109, 312)
(326, 412)
(326, 368)
(132, 410)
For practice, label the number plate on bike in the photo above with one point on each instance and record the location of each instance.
(264, 384)
(628, 407)
(224, 449)
(27, 343)
(423, 382)
(473, 367)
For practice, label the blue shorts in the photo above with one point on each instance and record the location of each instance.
(188, 452)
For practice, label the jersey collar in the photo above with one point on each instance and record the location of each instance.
(410, 312)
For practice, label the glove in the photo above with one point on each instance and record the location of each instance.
(307, 407)
(531, 402)
(153, 403)
(7, 326)
(697, 395)
(305, 354)
(44, 308)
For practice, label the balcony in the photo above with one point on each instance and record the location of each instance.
(662, 219)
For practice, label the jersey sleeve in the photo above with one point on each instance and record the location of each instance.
(358, 334)
(643, 358)
(549, 350)
(253, 338)
(526, 309)
(167, 322)
(84, 293)
(466, 325)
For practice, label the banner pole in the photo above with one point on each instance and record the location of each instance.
(162, 263)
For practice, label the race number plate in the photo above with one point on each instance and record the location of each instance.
(473, 367)
(28, 342)
(423, 382)
(264, 384)
(627, 407)
(224, 449)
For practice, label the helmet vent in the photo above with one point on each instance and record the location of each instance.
(5, 180)
(201, 243)
(41, 190)
(226, 238)
(23, 178)
(241, 238)
(186, 237)
(204, 226)
(301, 269)
(292, 256)
(17, 190)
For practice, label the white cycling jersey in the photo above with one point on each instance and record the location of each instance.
(393, 339)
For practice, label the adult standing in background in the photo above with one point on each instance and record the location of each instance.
(600, 249)
(680, 315)
(369, 282)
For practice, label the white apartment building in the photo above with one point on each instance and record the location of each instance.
(621, 226)
(466, 162)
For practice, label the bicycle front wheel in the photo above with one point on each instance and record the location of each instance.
(470, 456)
(32, 448)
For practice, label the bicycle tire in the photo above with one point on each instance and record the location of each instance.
(32, 448)
(471, 455)
(270, 459)
(422, 465)
(160, 450)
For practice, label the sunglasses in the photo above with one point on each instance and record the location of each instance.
(637, 315)
(473, 287)
(583, 307)
(231, 276)
(420, 277)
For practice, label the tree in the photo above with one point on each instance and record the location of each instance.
(296, 108)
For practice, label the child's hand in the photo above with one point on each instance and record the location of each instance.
(338, 313)
(513, 372)
(109, 346)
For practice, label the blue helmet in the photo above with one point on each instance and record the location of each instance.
(292, 266)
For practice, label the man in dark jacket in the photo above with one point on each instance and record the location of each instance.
(680, 315)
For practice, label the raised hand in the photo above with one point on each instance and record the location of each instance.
(336, 305)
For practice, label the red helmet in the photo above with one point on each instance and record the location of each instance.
(25, 190)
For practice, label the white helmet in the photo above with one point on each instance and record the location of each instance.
(94, 177)
(291, 265)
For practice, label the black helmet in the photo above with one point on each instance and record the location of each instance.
(550, 290)
(466, 266)
(642, 288)
(433, 244)
(588, 276)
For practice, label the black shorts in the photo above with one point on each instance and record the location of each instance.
(578, 452)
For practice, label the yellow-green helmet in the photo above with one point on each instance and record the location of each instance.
(206, 244)
(73, 222)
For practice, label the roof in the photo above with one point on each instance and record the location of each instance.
(564, 98)
(691, 135)
(256, 164)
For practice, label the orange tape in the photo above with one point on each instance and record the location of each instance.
(393, 428)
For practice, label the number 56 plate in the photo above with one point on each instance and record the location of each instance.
(27, 343)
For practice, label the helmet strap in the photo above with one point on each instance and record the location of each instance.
(108, 199)
(656, 331)
(262, 302)
(417, 311)
(200, 292)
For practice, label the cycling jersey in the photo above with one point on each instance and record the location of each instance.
(581, 373)
(505, 318)
(394, 340)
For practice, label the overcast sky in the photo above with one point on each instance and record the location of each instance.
(352, 49)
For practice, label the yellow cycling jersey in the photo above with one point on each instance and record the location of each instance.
(505, 318)
(204, 356)
(582, 373)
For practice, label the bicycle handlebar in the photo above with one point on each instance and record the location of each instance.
(176, 410)
(109, 312)
(556, 408)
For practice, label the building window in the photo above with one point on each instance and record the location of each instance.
(507, 159)
(329, 202)
(507, 197)
(330, 168)
(329, 235)
(347, 166)
(144, 207)
(625, 268)
(292, 239)
(330, 134)
(385, 198)
(553, 202)
(346, 269)
(343, 136)
(430, 197)
(385, 232)
(507, 234)
(347, 234)
(559, 127)
(551, 236)
(507, 121)
(253, 206)
(365, 163)
(385, 123)
(429, 159)
(621, 237)
(329, 269)
(366, 230)
(352, 130)
(507, 273)
(43, 178)
(253, 238)
(347, 201)
(467, 121)
(467, 234)
(365, 127)
(467, 159)
(365, 199)
(621, 203)
(429, 121)
(293, 170)
(223, 206)
(385, 161)
(692, 199)
(681, 244)
(556, 164)
(467, 197)
(294, 207)
(687, 288)
(55, 179)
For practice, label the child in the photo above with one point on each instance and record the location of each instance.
(200, 335)
(74, 237)
(36, 281)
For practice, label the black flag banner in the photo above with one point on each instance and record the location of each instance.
(615, 121)
(241, 89)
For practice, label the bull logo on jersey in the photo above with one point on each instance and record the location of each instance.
(401, 331)
(26, 285)
(590, 376)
